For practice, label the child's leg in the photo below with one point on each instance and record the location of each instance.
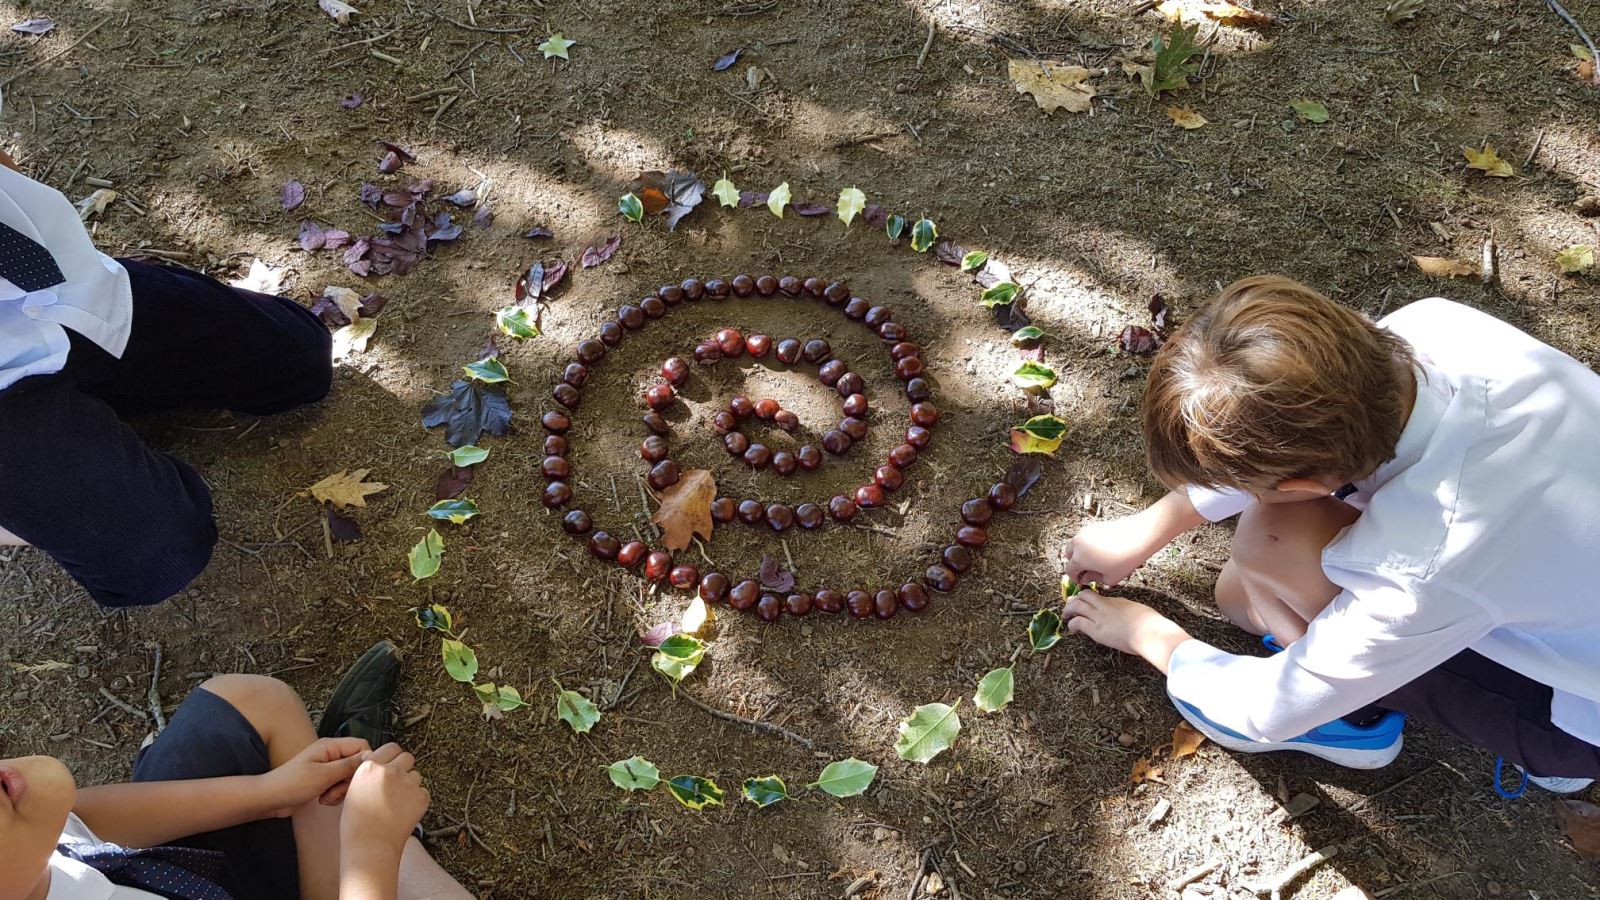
(1274, 582)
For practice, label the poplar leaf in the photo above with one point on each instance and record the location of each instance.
(846, 777)
(928, 732)
(995, 690)
(778, 199)
(851, 203)
(634, 774)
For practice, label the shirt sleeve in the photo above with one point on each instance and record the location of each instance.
(1217, 505)
(1378, 635)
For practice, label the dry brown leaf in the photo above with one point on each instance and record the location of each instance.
(1186, 740)
(1444, 267)
(1143, 771)
(1185, 117)
(1581, 821)
(1230, 14)
(1053, 85)
(686, 509)
(345, 489)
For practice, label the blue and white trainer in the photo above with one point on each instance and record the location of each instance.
(1369, 747)
(1553, 784)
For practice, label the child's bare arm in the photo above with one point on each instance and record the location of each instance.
(1110, 550)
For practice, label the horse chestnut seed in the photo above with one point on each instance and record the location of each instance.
(693, 289)
(924, 414)
(742, 407)
(659, 396)
(919, 437)
(958, 558)
(977, 512)
(786, 420)
(856, 309)
(856, 405)
(940, 579)
(759, 345)
(743, 285)
(576, 522)
(767, 408)
(576, 374)
(731, 341)
(736, 443)
(556, 494)
(814, 286)
(566, 395)
(555, 445)
(657, 565)
(757, 456)
(972, 536)
(779, 516)
(655, 423)
(714, 587)
(555, 422)
(913, 596)
(908, 368)
(790, 285)
(837, 292)
(683, 577)
(744, 594)
(885, 604)
(876, 316)
(784, 463)
(887, 477)
(918, 390)
(723, 510)
(707, 352)
(902, 455)
(836, 442)
(849, 383)
(654, 449)
(808, 515)
(831, 371)
(603, 546)
(671, 294)
(892, 332)
(770, 607)
(675, 371)
(717, 289)
(555, 468)
(766, 285)
(797, 604)
(664, 474)
(815, 350)
(631, 317)
(854, 427)
(610, 334)
(842, 508)
(787, 351)
(725, 422)
(859, 603)
(828, 600)
(751, 512)
(1002, 496)
(632, 554)
(904, 349)
(653, 307)
(809, 457)
(869, 496)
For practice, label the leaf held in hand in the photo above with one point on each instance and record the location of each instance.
(634, 774)
(851, 202)
(556, 46)
(455, 512)
(1310, 111)
(1186, 118)
(1044, 630)
(1040, 434)
(345, 489)
(1032, 375)
(1053, 85)
(764, 792)
(846, 778)
(489, 370)
(974, 261)
(433, 618)
(576, 710)
(686, 509)
(922, 235)
(725, 192)
(995, 690)
(778, 199)
(425, 558)
(1575, 259)
(928, 732)
(695, 792)
(631, 208)
(459, 660)
(1488, 162)
(678, 656)
(1444, 267)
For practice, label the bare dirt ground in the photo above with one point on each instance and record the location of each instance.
(198, 112)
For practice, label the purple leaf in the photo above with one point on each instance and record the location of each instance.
(1009, 317)
(361, 267)
(484, 217)
(444, 229)
(398, 198)
(1158, 313)
(357, 251)
(748, 199)
(658, 633)
(351, 101)
(596, 255)
(342, 529)
(452, 483)
(371, 194)
(811, 209)
(330, 313)
(312, 237)
(1034, 353)
(554, 274)
(333, 238)
(390, 163)
(875, 215)
(467, 412)
(391, 227)
(1137, 340)
(371, 305)
(294, 194)
(949, 252)
(774, 578)
(36, 26)
(463, 197)
(1023, 473)
(539, 233)
(726, 60)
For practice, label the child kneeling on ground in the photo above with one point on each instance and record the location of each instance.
(238, 798)
(1419, 531)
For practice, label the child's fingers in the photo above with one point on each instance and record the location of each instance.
(1082, 625)
(340, 748)
(335, 795)
(383, 755)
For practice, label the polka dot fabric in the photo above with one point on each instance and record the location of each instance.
(25, 263)
(180, 873)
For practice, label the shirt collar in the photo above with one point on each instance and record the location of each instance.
(1433, 398)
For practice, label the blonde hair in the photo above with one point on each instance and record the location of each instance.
(1273, 381)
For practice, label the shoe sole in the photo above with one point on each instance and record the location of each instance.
(383, 651)
(1349, 757)
(1561, 786)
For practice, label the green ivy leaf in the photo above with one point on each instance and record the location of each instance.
(974, 261)
(634, 774)
(468, 455)
(1044, 630)
(509, 698)
(485, 692)
(695, 792)
(930, 731)
(999, 295)
(1027, 334)
(1575, 259)
(433, 618)
(995, 690)
(556, 46)
(1172, 66)
(459, 660)
(1310, 111)
(631, 207)
(725, 192)
(426, 556)
(1034, 375)
(1040, 434)
(923, 234)
(517, 321)
(678, 656)
(851, 203)
(455, 512)
(764, 792)
(846, 777)
(778, 199)
(575, 709)
(489, 370)
(894, 227)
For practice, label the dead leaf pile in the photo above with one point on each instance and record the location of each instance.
(1142, 341)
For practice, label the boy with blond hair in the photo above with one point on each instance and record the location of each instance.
(1419, 531)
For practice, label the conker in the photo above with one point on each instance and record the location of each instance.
(656, 424)
(664, 474)
(555, 445)
(742, 407)
(766, 285)
(759, 345)
(1002, 496)
(725, 422)
(770, 607)
(912, 596)
(603, 546)
(789, 285)
(744, 594)
(632, 554)
(836, 293)
(731, 341)
(972, 536)
(808, 515)
(787, 351)
(779, 516)
(784, 463)
(743, 285)
(555, 468)
(683, 577)
(659, 396)
(657, 565)
(849, 383)
(723, 509)
(751, 512)
(842, 508)
(556, 494)
(654, 449)
(566, 395)
(977, 512)
(892, 332)
(918, 390)
(610, 334)
(854, 427)
(653, 307)
(757, 456)
(797, 604)
(717, 289)
(902, 456)
(576, 522)
(859, 603)
(671, 294)
(766, 408)
(556, 422)
(958, 558)
(856, 309)
(786, 420)
(714, 587)
(809, 457)
(885, 604)
(887, 477)
(576, 374)
(919, 437)
(940, 579)
(736, 443)
(675, 370)
(904, 349)
(856, 405)
(815, 350)
(908, 368)
(693, 289)
(814, 286)
(828, 600)
(707, 352)
(869, 496)
(924, 414)
(632, 317)
(836, 442)
(831, 371)
(876, 316)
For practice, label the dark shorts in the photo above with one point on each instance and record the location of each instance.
(1500, 710)
(208, 738)
(132, 524)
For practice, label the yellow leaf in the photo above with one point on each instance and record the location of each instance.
(346, 489)
(1444, 267)
(1185, 740)
(1488, 162)
(696, 617)
(1575, 259)
(1053, 85)
(352, 338)
(1230, 14)
(1184, 117)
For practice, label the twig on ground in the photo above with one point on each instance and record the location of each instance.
(124, 705)
(926, 45)
(753, 723)
(1275, 884)
(68, 49)
(1180, 882)
(1143, 8)
(1594, 54)
(155, 693)
(465, 27)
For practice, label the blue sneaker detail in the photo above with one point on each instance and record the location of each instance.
(1271, 643)
(1370, 747)
(1500, 784)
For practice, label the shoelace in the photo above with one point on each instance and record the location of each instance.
(1499, 784)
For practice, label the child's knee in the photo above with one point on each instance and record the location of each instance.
(260, 698)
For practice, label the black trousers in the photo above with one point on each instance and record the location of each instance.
(133, 525)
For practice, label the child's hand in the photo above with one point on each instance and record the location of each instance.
(1125, 625)
(385, 802)
(320, 772)
(1109, 551)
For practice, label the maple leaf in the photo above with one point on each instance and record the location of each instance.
(345, 489)
(1186, 740)
(556, 46)
(686, 509)
(1488, 162)
(1185, 117)
(1444, 267)
(1053, 85)
(676, 193)
(1575, 259)
(1581, 821)
(725, 192)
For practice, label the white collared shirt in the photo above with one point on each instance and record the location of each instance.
(96, 300)
(72, 880)
(1482, 533)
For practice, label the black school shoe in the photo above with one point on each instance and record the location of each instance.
(360, 705)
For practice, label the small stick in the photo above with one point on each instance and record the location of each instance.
(1594, 53)
(787, 558)
(1525, 160)
(123, 705)
(465, 27)
(926, 45)
(1180, 882)
(155, 693)
(384, 56)
(1144, 7)
(63, 52)
(753, 723)
(1276, 883)
(1489, 273)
